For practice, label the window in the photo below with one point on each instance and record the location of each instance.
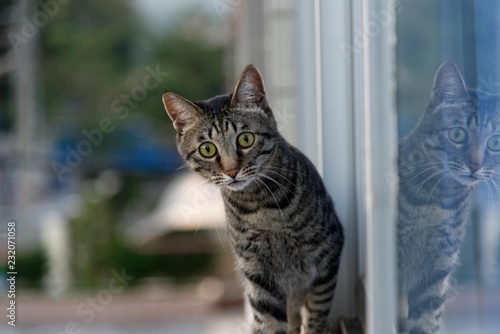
(366, 68)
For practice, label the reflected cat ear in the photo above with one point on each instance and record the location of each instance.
(449, 84)
(249, 91)
(180, 110)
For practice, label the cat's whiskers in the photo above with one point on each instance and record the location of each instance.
(496, 185)
(275, 200)
(430, 177)
(418, 166)
(293, 184)
(430, 194)
(250, 185)
(220, 239)
(282, 187)
(417, 187)
(490, 193)
(257, 183)
(185, 165)
(415, 176)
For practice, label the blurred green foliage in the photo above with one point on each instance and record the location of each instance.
(30, 266)
(92, 237)
(178, 267)
(85, 55)
(95, 51)
(418, 58)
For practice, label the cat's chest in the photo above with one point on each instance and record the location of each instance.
(270, 220)
(429, 237)
(429, 215)
(279, 251)
(255, 215)
(431, 211)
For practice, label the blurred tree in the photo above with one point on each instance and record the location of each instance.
(31, 266)
(86, 52)
(95, 53)
(6, 103)
(99, 61)
(179, 268)
(92, 235)
(418, 58)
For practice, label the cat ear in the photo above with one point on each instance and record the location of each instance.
(180, 110)
(449, 84)
(249, 91)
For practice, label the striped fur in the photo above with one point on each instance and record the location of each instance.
(437, 176)
(282, 224)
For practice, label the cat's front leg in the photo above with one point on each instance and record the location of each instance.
(294, 305)
(268, 306)
(318, 303)
(428, 322)
(402, 312)
(425, 311)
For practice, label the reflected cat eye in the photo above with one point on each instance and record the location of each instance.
(494, 143)
(246, 139)
(207, 149)
(457, 135)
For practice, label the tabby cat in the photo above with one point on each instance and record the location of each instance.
(282, 224)
(455, 145)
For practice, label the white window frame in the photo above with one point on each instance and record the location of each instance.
(355, 145)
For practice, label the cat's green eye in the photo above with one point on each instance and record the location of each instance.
(207, 149)
(457, 135)
(246, 139)
(494, 143)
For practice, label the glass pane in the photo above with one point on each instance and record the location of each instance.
(449, 166)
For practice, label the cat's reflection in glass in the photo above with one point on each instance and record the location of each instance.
(454, 147)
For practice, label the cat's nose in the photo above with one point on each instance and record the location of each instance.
(232, 172)
(474, 167)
